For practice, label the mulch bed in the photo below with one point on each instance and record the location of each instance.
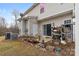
(66, 50)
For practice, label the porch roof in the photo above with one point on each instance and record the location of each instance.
(27, 18)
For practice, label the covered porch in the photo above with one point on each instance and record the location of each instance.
(29, 26)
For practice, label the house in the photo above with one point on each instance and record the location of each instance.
(40, 17)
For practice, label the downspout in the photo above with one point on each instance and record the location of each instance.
(73, 17)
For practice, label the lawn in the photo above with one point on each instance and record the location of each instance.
(19, 48)
(2, 38)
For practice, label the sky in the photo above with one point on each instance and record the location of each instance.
(6, 10)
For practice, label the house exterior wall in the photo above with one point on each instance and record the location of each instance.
(34, 12)
(58, 21)
(51, 9)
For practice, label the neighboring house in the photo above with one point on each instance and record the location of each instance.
(39, 18)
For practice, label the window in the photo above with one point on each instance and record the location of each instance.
(42, 8)
(67, 22)
(47, 29)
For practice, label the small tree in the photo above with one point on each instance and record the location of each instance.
(3, 25)
(16, 15)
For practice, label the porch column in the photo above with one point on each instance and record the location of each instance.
(32, 25)
(29, 26)
(22, 27)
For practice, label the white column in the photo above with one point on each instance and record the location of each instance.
(32, 26)
(22, 27)
(29, 27)
(76, 29)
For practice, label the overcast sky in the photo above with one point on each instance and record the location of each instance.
(7, 8)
